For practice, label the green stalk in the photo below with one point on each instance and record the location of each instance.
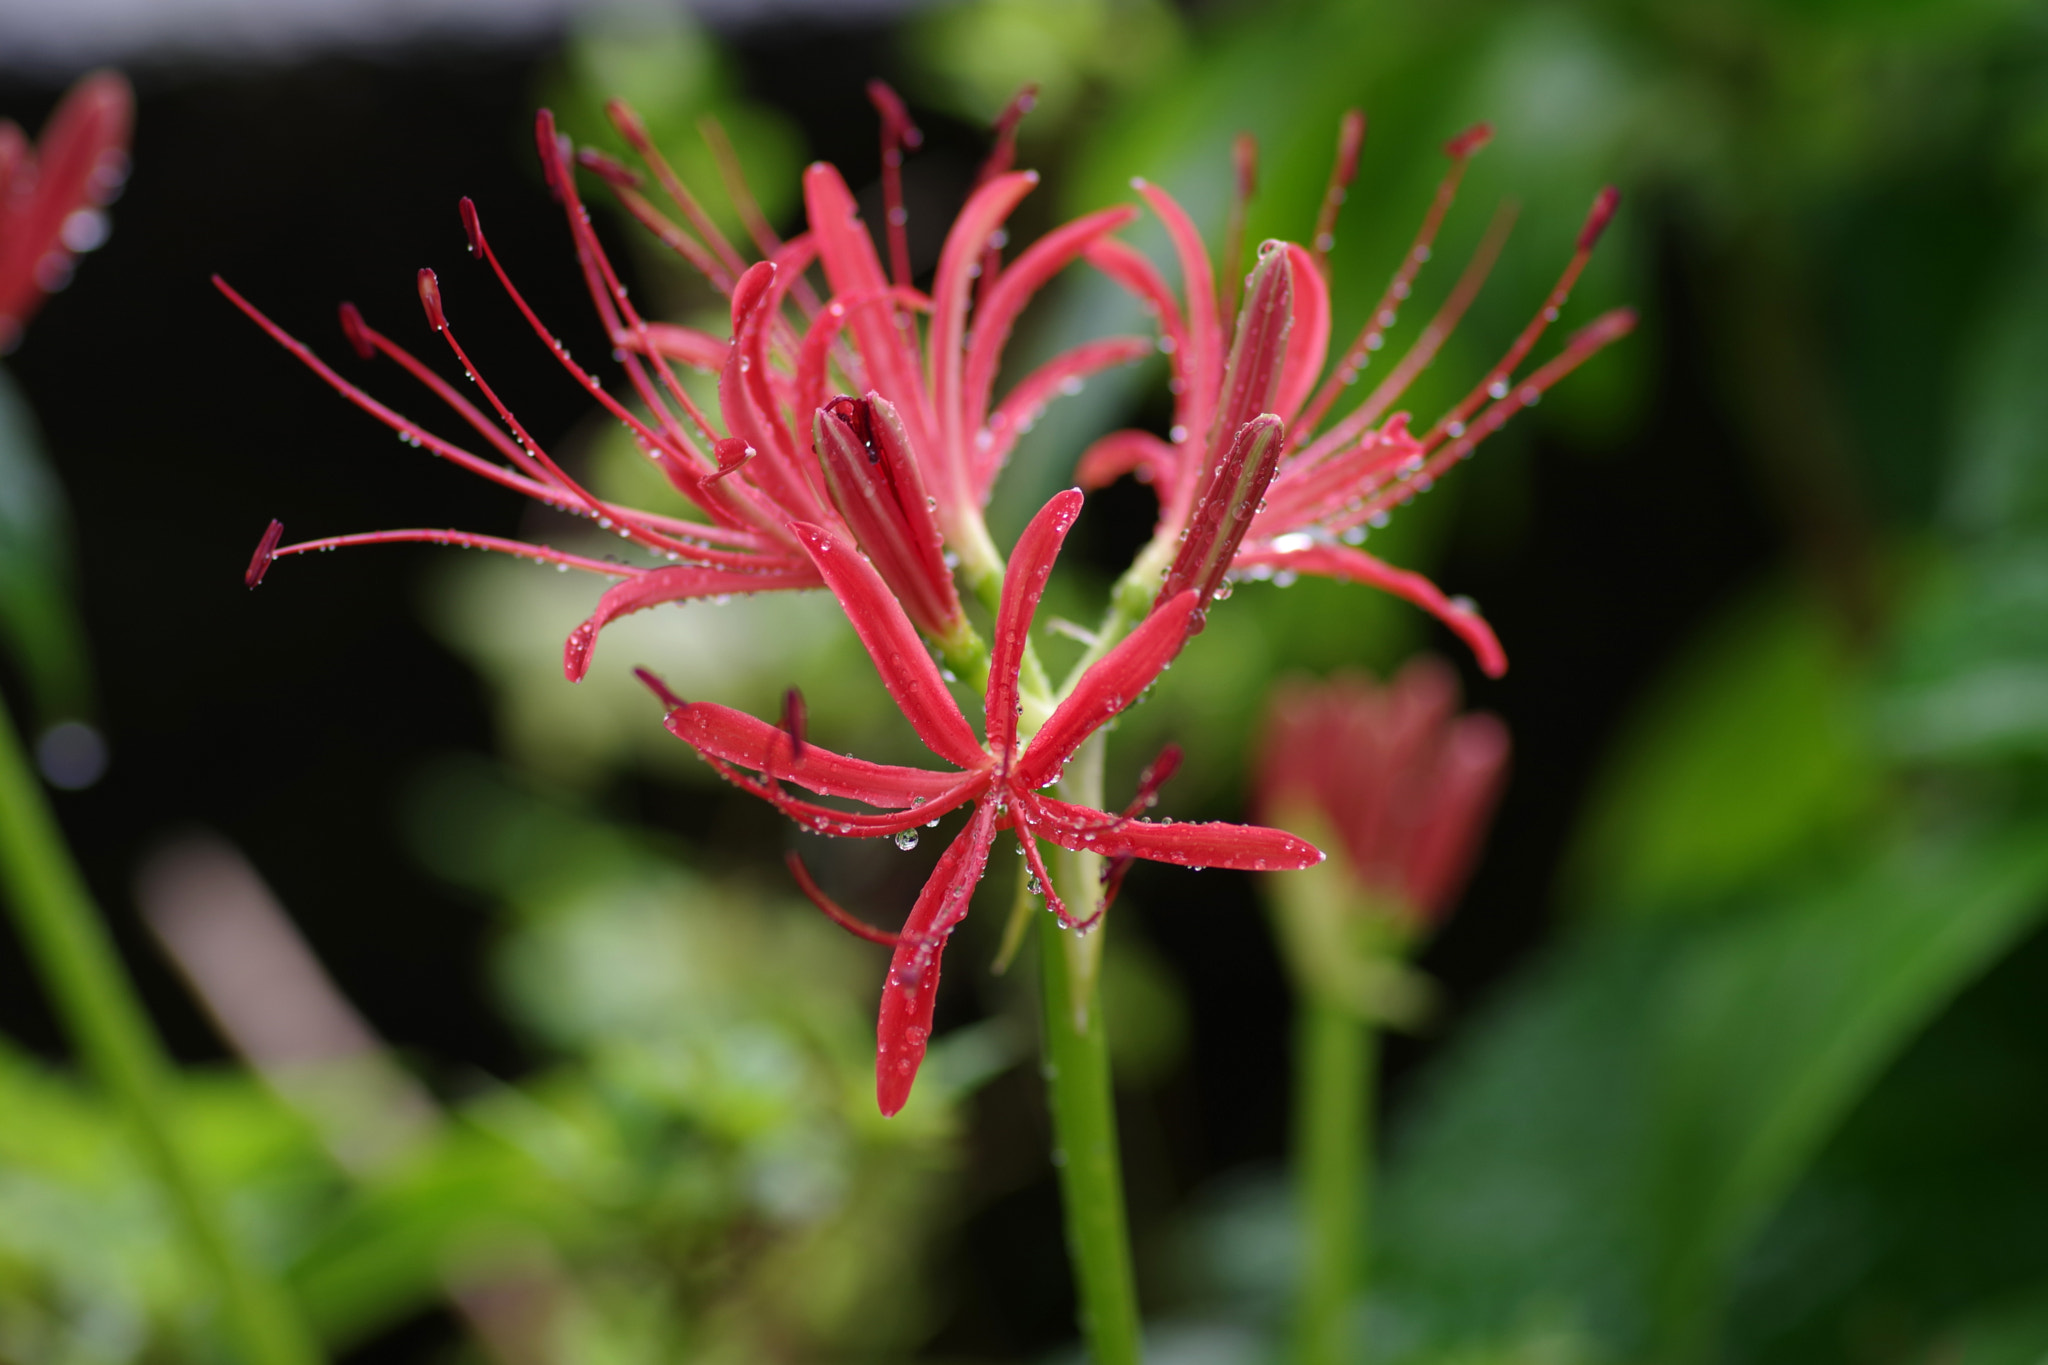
(1081, 1096)
(1334, 1058)
(91, 991)
(1085, 1152)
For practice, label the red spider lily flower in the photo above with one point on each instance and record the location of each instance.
(1333, 481)
(1404, 783)
(1001, 773)
(901, 472)
(51, 194)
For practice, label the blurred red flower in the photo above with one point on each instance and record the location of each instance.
(1403, 783)
(52, 194)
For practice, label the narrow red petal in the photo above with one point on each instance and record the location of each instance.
(1023, 585)
(1126, 452)
(1113, 683)
(1026, 275)
(1247, 848)
(905, 1027)
(892, 642)
(753, 743)
(673, 584)
(1308, 338)
(1345, 564)
(1030, 395)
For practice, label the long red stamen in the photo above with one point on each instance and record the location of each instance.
(734, 177)
(654, 684)
(631, 128)
(898, 133)
(1244, 156)
(1372, 336)
(1427, 343)
(369, 342)
(832, 909)
(540, 554)
(1602, 331)
(1495, 385)
(1001, 157)
(430, 299)
(670, 446)
(1344, 170)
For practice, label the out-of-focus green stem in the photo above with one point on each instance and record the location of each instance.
(1333, 1084)
(68, 942)
(1085, 1152)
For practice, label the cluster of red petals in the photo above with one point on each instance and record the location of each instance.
(1406, 783)
(930, 433)
(1337, 478)
(51, 194)
(1000, 772)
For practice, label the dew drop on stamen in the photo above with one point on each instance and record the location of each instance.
(1497, 389)
(906, 839)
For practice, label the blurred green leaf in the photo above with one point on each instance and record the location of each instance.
(38, 617)
(1606, 1142)
(1747, 751)
(1915, 1233)
(1969, 677)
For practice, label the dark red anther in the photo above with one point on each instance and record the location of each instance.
(793, 723)
(1003, 155)
(897, 127)
(610, 169)
(473, 227)
(266, 551)
(357, 331)
(1604, 205)
(430, 299)
(1469, 142)
(653, 684)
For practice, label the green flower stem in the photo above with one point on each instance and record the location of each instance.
(1081, 1097)
(1334, 1057)
(68, 942)
(1085, 1150)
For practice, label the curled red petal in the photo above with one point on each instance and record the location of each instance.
(1356, 566)
(1126, 452)
(1023, 585)
(905, 1026)
(892, 642)
(1248, 848)
(1308, 338)
(753, 743)
(674, 584)
(1112, 683)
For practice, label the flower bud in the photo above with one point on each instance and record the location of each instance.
(872, 475)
